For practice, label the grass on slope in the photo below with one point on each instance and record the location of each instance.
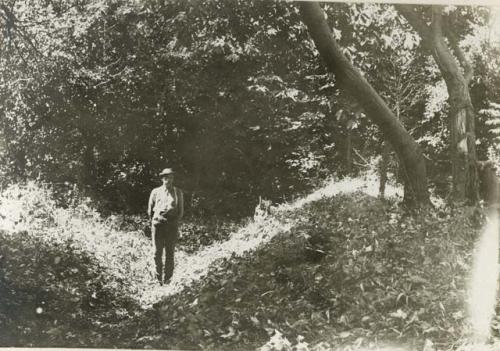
(68, 276)
(117, 243)
(55, 295)
(353, 271)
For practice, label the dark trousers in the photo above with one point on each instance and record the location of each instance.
(164, 238)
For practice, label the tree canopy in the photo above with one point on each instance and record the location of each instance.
(231, 93)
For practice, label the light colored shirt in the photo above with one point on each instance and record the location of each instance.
(163, 200)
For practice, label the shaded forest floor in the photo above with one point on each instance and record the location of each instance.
(342, 271)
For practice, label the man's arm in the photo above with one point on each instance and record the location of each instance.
(151, 204)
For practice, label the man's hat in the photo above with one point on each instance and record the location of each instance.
(166, 171)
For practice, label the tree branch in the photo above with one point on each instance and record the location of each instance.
(415, 20)
(361, 157)
(434, 40)
(19, 51)
(11, 24)
(353, 82)
(432, 37)
(437, 22)
(464, 62)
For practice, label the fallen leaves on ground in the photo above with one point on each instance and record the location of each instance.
(329, 272)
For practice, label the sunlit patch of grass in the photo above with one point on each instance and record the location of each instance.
(336, 267)
(349, 270)
(125, 257)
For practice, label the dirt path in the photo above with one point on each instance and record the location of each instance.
(190, 268)
(128, 256)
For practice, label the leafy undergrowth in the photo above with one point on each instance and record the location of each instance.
(346, 270)
(117, 243)
(199, 233)
(354, 270)
(52, 294)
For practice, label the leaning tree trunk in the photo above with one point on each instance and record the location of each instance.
(384, 165)
(463, 147)
(461, 114)
(348, 152)
(383, 168)
(374, 106)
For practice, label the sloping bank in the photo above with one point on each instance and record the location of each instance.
(338, 270)
(54, 295)
(349, 271)
(127, 256)
(190, 268)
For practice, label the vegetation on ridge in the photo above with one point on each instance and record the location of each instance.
(354, 270)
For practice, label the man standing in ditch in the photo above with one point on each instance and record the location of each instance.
(165, 210)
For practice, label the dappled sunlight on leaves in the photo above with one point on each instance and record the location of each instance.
(350, 270)
(338, 268)
(127, 255)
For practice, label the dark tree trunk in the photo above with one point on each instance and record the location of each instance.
(463, 146)
(348, 154)
(489, 184)
(384, 165)
(461, 115)
(373, 105)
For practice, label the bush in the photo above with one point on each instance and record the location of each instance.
(198, 232)
(49, 290)
(125, 257)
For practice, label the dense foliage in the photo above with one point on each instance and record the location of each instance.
(342, 275)
(97, 96)
(353, 270)
(55, 295)
(231, 93)
(205, 92)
